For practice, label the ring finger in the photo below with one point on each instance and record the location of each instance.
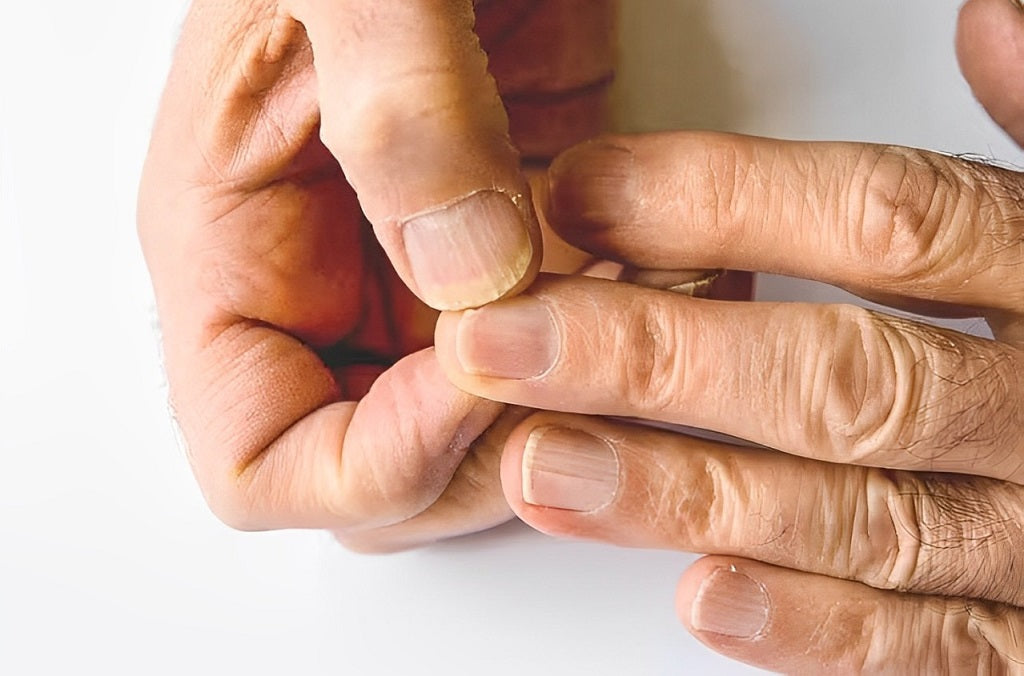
(634, 486)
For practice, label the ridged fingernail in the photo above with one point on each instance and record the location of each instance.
(569, 469)
(592, 185)
(470, 252)
(514, 339)
(731, 603)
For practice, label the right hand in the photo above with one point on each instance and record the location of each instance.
(283, 122)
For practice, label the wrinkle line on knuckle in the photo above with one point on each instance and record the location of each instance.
(870, 390)
(898, 228)
(654, 351)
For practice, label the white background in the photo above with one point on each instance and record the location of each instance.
(109, 560)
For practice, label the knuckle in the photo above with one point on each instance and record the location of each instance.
(723, 189)
(653, 350)
(950, 636)
(893, 559)
(402, 110)
(901, 394)
(873, 382)
(851, 410)
(993, 636)
(693, 513)
(231, 491)
(939, 536)
(258, 75)
(906, 202)
(225, 486)
(230, 502)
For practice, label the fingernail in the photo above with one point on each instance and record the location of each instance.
(569, 469)
(470, 252)
(514, 339)
(732, 604)
(592, 185)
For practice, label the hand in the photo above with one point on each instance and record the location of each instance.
(282, 123)
(888, 536)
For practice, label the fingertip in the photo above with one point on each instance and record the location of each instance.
(591, 186)
(472, 251)
(410, 113)
(446, 347)
(445, 330)
(560, 475)
(724, 603)
(689, 584)
(512, 466)
(990, 49)
(776, 618)
(724, 599)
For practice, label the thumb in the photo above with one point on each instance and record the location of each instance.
(413, 117)
(990, 48)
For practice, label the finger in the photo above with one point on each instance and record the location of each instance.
(837, 383)
(472, 501)
(560, 257)
(793, 622)
(892, 224)
(989, 46)
(415, 121)
(638, 487)
(303, 459)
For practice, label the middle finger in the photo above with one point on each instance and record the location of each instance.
(836, 383)
(634, 486)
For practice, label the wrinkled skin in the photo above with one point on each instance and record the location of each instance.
(888, 533)
(299, 361)
(303, 380)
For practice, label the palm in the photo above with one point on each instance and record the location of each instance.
(315, 259)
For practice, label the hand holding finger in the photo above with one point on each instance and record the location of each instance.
(299, 364)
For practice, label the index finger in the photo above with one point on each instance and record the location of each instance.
(903, 226)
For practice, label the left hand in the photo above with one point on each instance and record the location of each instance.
(317, 169)
(890, 535)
